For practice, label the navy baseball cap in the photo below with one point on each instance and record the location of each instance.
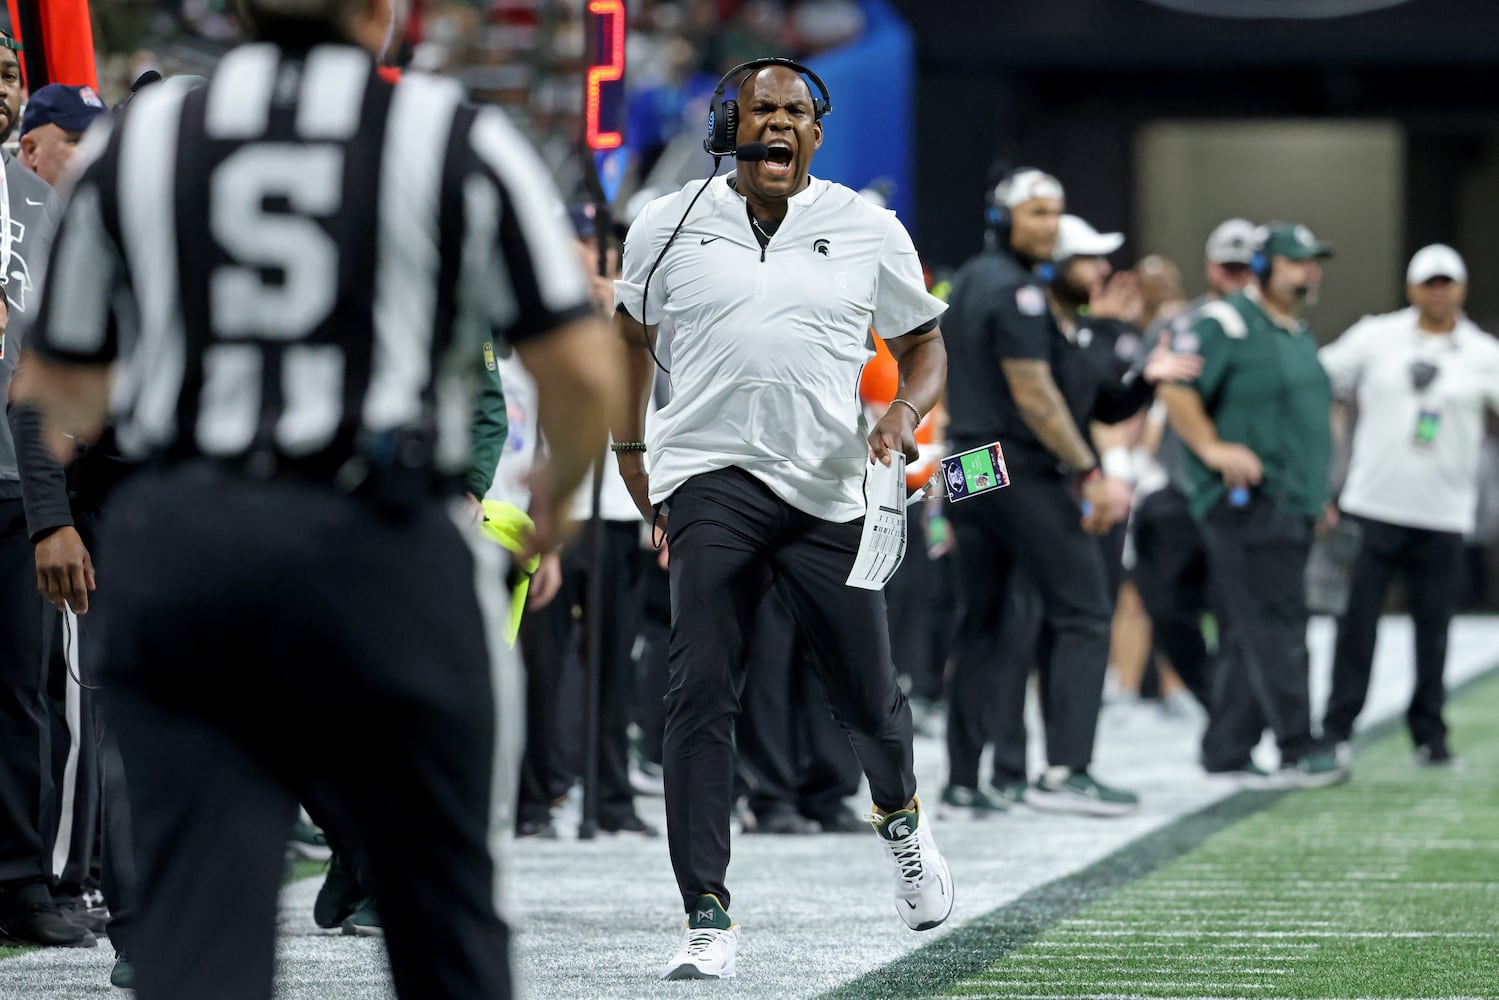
(72, 109)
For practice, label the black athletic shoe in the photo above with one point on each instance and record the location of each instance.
(628, 824)
(91, 918)
(785, 823)
(1436, 754)
(842, 820)
(30, 915)
(539, 829)
(338, 896)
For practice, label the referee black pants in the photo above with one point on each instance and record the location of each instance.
(1033, 525)
(1428, 562)
(1257, 555)
(731, 538)
(276, 641)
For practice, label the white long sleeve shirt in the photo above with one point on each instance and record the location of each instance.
(1393, 476)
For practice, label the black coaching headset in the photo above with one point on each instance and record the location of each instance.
(723, 112)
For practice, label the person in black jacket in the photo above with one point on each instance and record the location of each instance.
(1017, 378)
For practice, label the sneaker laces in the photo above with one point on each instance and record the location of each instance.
(701, 939)
(906, 852)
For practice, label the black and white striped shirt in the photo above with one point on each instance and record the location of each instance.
(299, 260)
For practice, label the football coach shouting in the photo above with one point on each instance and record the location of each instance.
(772, 279)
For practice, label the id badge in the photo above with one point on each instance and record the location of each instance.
(973, 472)
(1428, 423)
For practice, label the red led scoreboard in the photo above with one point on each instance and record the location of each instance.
(604, 93)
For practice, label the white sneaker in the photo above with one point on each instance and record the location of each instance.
(708, 944)
(923, 884)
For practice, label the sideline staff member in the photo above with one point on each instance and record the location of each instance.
(1423, 378)
(1256, 423)
(302, 393)
(761, 454)
(1016, 377)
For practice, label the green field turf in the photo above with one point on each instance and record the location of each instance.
(1385, 887)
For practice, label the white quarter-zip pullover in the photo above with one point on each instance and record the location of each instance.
(1393, 476)
(768, 343)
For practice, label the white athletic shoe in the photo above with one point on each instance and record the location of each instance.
(708, 944)
(923, 884)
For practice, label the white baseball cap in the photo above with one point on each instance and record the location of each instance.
(1231, 242)
(1075, 238)
(1026, 185)
(1436, 261)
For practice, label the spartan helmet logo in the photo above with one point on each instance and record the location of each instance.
(820, 246)
(955, 481)
(900, 828)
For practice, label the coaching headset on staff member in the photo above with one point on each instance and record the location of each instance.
(300, 526)
(772, 279)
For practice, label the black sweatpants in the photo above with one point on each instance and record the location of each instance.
(1257, 556)
(1171, 573)
(1034, 525)
(1428, 562)
(793, 756)
(731, 537)
(275, 641)
(24, 752)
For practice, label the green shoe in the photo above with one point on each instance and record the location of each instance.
(1063, 790)
(364, 921)
(1010, 795)
(1247, 775)
(708, 913)
(959, 803)
(123, 974)
(1318, 769)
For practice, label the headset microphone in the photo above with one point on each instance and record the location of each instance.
(751, 152)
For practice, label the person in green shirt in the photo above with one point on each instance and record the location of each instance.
(1256, 423)
(488, 428)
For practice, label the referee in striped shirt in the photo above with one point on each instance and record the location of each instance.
(291, 269)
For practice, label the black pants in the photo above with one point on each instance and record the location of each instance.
(1171, 573)
(793, 756)
(544, 649)
(622, 565)
(655, 637)
(1257, 555)
(1033, 525)
(919, 641)
(277, 641)
(24, 750)
(1428, 561)
(730, 538)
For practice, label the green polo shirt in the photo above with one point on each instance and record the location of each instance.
(1263, 387)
